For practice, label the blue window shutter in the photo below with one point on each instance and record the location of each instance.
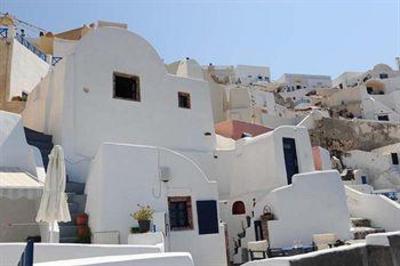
(207, 217)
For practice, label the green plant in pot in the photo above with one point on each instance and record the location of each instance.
(143, 216)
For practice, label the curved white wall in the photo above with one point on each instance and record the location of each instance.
(382, 211)
(76, 104)
(124, 175)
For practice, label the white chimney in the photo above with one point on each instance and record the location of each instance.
(398, 62)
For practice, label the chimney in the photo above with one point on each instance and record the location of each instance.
(398, 62)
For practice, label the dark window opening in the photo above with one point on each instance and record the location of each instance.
(383, 117)
(364, 180)
(290, 154)
(126, 87)
(180, 213)
(298, 87)
(395, 158)
(370, 90)
(383, 76)
(184, 100)
(238, 208)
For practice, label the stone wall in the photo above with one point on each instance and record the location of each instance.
(338, 135)
(5, 57)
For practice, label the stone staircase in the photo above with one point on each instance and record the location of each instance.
(76, 205)
(42, 141)
(361, 227)
(75, 191)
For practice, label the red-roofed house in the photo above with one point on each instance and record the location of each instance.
(234, 129)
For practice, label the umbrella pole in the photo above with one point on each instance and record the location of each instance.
(51, 237)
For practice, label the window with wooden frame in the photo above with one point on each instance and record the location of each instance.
(180, 213)
(126, 87)
(184, 100)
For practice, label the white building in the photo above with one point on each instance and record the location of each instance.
(352, 79)
(113, 87)
(245, 74)
(295, 86)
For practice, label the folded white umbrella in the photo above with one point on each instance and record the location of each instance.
(53, 204)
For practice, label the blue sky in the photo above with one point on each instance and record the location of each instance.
(309, 36)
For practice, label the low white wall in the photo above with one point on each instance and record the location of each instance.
(166, 259)
(314, 204)
(14, 150)
(10, 253)
(17, 219)
(382, 211)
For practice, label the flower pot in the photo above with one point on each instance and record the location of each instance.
(144, 226)
(82, 219)
(83, 230)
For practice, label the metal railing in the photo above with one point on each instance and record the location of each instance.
(31, 47)
(3, 33)
(55, 60)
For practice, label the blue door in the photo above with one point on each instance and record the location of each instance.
(291, 164)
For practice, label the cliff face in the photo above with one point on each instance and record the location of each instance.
(339, 135)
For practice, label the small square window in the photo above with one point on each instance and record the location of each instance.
(126, 87)
(383, 117)
(180, 213)
(395, 158)
(383, 76)
(184, 100)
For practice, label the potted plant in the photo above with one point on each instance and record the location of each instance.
(143, 216)
(82, 219)
(84, 234)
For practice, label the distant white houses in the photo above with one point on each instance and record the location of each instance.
(245, 74)
(240, 74)
(295, 86)
(352, 79)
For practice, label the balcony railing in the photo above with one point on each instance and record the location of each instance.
(55, 60)
(31, 47)
(3, 33)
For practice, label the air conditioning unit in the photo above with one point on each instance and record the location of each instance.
(165, 174)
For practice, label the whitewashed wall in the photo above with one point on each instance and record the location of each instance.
(382, 211)
(165, 259)
(314, 204)
(10, 253)
(14, 150)
(27, 70)
(123, 176)
(93, 117)
(377, 167)
(257, 164)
